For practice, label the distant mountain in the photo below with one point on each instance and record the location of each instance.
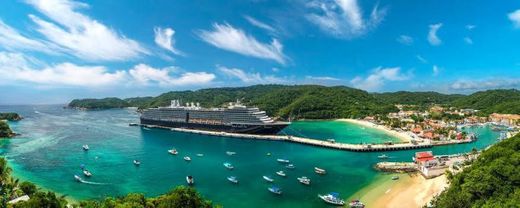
(99, 103)
(491, 101)
(417, 98)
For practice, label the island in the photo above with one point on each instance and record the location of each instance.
(10, 116)
(5, 130)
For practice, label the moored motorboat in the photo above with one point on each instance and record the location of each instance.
(173, 151)
(320, 171)
(290, 166)
(356, 204)
(275, 190)
(86, 147)
(268, 154)
(395, 177)
(332, 198)
(268, 179)
(304, 180)
(137, 162)
(229, 166)
(232, 179)
(383, 156)
(283, 161)
(87, 173)
(186, 158)
(230, 153)
(190, 180)
(281, 173)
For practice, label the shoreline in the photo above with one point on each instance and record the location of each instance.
(400, 135)
(409, 191)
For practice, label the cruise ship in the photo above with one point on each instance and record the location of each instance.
(236, 118)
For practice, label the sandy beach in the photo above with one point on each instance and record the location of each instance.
(410, 191)
(401, 135)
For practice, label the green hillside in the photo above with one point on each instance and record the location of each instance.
(491, 101)
(417, 98)
(98, 103)
(493, 180)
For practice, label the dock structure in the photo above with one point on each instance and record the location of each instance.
(398, 167)
(306, 141)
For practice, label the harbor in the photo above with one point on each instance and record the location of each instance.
(318, 143)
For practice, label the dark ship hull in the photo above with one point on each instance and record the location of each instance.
(264, 129)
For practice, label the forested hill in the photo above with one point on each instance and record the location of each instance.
(493, 180)
(492, 101)
(417, 98)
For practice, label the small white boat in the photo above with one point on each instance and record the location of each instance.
(383, 156)
(187, 158)
(281, 173)
(87, 173)
(332, 198)
(232, 179)
(395, 177)
(200, 155)
(268, 154)
(304, 180)
(146, 128)
(85, 147)
(290, 166)
(77, 178)
(229, 166)
(190, 180)
(268, 179)
(137, 162)
(230, 153)
(331, 140)
(356, 204)
(283, 161)
(275, 190)
(320, 171)
(173, 152)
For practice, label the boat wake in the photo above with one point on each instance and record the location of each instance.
(91, 182)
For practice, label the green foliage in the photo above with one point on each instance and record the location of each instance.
(416, 98)
(10, 116)
(98, 103)
(28, 188)
(5, 130)
(491, 101)
(493, 180)
(43, 199)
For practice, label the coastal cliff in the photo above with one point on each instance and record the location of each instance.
(5, 130)
(10, 116)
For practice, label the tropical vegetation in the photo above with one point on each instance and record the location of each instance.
(10, 116)
(493, 180)
(5, 130)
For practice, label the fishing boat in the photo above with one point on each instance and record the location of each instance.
(268, 154)
(395, 177)
(383, 156)
(77, 178)
(290, 166)
(283, 161)
(87, 173)
(137, 162)
(187, 158)
(200, 155)
(232, 179)
(281, 173)
(320, 171)
(228, 166)
(190, 180)
(304, 180)
(173, 152)
(331, 140)
(356, 204)
(275, 190)
(332, 198)
(85, 147)
(230, 153)
(268, 179)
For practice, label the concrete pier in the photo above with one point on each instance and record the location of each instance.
(315, 142)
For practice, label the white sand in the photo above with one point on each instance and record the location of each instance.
(401, 135)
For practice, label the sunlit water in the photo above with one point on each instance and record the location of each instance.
(49, 153)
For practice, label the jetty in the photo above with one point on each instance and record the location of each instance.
(398, 167)
(308, 141)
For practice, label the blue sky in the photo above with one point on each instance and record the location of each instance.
(55, 50)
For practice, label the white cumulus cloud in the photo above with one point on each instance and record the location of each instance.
(250, 78)
(164, 39)
(13, 40)
(80, 35)
(433, 39)
(145, 75)
(225, 36)
(343, 18)
(435, 70)
(515, 18)
(491, 83)
(378, 78)
(322, 78)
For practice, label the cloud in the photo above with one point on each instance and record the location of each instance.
(323, 78)
(12, 40)
(435, 70)
(468, 40)
(226, 37)
(492, 83)
(260, 24)
(433, 39)
(515, 18)
(16, 67)
(470, 27)
(378, 77)
(164, 39)
(145, 75)
(405, 40)
(249, 78)
(343, 18)
(421, 59)
(80, 35)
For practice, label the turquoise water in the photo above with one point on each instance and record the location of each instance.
(49, 153)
